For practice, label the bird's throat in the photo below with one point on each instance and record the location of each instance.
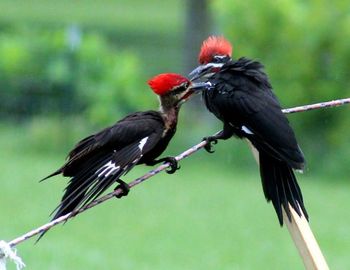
(170, 118)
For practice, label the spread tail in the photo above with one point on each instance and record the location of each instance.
(280, 186)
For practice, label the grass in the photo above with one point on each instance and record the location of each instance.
(206, 216)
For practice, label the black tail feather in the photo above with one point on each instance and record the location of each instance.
(280, 186)
(86, 183)
(53, 174)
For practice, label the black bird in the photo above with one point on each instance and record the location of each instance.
(238, 92)
(99, 160)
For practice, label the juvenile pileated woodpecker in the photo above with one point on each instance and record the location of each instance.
(239, 93)
(99, 160)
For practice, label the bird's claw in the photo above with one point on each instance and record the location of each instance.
(124, 187)
(173, 165)
(210, 141)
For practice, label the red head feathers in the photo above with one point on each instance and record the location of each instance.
(163, 83)
(214, 45)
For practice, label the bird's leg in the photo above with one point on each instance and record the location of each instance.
(224, 134)
(172, 163)
(124, 187)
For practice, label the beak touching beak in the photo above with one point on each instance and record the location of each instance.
(200, 86)
(194, 89)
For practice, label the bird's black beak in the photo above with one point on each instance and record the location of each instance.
(200, 86)
(198, 72)
(194, 89)
(204, 71)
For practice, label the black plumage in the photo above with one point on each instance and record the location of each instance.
(241, 96)
(99, 160)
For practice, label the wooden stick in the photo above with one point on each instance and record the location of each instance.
(301, 234)
(305, 241)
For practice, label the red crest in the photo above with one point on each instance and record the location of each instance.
(214, 45)
(165, 82)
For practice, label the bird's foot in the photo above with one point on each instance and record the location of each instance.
(124, 187)
(174, 165)
(210, 140)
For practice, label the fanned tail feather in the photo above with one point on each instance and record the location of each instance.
(51, 175)
(94, 178)
(280, 186)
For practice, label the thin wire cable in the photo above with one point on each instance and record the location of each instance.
(157, 170)
(333, 103)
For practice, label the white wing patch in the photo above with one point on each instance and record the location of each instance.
(142, 143)
(247, 130)
(108, 169)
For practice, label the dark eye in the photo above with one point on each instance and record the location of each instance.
(185, 85)
(180, 88)
(220, 59)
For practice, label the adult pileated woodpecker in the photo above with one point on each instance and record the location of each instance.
(99, 160)
(239, 93)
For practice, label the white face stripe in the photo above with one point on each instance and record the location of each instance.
(109, 169)
(247, 130)
(142, 143)
(213, 65)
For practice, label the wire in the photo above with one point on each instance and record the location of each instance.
(157, 170)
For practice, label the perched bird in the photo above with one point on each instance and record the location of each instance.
(238, 92)
(99, 160)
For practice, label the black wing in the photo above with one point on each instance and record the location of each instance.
(269, 127)
(244, 98)
(99, 160)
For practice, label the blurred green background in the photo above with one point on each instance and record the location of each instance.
(69, 68)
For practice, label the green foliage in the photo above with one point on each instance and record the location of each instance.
(68, 71)
(110, 82)
(304, 46)
(100, 78)
(135, 15)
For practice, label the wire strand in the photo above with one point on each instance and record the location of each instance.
(157, 170)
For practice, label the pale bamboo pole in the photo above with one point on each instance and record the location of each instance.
(305, 241)
(301, 233)
(298, 227)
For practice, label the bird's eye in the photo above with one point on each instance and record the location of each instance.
(185, 85)
(180, 88)
(220, 59)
